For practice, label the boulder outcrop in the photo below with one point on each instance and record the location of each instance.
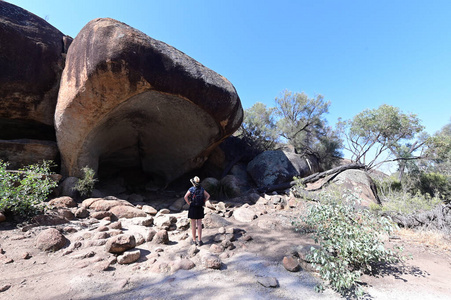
(129, 101)
(32, 55)
(278, 166)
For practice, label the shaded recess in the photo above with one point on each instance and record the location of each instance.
(149, 135)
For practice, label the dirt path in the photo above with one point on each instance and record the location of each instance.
(79, 275)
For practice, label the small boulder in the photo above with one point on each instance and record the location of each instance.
(99, 215)
(183, 224)
(211, 261)
(107, 204)
(63, 202)
(128, 212)
(149, 210)
(50, 240)
(81, 213)
(150, 235)
(161, 237)
(270, 282)
(291, 264)
(2, 217)
(129, 256)
(120, 243)
(245, 214)
(184, 264)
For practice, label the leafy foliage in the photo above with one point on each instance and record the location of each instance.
(296, 119)
(86, 184)
(372, 132)
(350, 242)
(258, 128)
(24, 192)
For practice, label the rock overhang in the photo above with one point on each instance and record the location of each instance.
(129, 100)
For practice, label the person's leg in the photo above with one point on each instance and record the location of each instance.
(193, 228)
(199, 229)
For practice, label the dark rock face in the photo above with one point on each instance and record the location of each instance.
(275, 167)
(31, 62)
(129, 101)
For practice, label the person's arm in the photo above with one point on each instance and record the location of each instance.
(187, 197)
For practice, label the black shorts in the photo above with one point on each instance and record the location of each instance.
(196, 212)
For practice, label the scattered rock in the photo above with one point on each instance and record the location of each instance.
(26, 255)
(63, 202)
(192, 251)
(115, 225)
(50, 240)
(161, 237)
(81, 213)
(129, 256)
(105, 204)
(128, 212)
(164, 221)
(215, 248)
(2, 217)
(120, 243)
(163, 211)
(149, 210)
(99, 215)
(51, 219)
(270, 282)
(291, 264)
(143, 221)
(215, 221)
(245, 213)
(150, 235)
(4, 287)
(184, 264)
(139, 239)
(183, 224)
(211, 261)
(5, 260)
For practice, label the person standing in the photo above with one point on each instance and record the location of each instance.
(196, 196)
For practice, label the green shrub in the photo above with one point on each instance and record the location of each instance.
(86, 184)
(350, 242)
(436, 185)
(23, 192)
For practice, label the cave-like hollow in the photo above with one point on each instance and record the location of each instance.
(149, 140)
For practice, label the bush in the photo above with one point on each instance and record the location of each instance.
(86, 184)
(23, 192)
(350, 242)
(436, 185)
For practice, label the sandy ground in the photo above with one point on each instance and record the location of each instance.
(59, 276)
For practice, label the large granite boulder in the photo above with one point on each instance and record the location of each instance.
(32, 55)
(129, 101)
(278, 166)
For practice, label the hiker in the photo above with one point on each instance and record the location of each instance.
(196, 197)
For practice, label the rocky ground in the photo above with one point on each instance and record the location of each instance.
(247, 253)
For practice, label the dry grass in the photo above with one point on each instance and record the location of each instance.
(430, 238)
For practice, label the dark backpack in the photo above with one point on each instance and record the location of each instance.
(197, 196)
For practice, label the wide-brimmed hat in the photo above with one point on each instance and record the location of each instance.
(195, 181)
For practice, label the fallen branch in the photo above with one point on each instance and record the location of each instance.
(311, 178)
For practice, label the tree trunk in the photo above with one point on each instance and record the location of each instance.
(311, 178)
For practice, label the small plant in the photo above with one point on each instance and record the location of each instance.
(23, 192)
(350, 242)
(86, 184)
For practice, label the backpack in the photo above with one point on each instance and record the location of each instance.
(197, 196)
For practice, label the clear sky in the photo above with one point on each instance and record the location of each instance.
(357, 54)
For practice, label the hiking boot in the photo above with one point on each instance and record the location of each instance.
(200, 243)
(193, 242)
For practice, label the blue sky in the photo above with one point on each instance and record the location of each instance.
(357, 54)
